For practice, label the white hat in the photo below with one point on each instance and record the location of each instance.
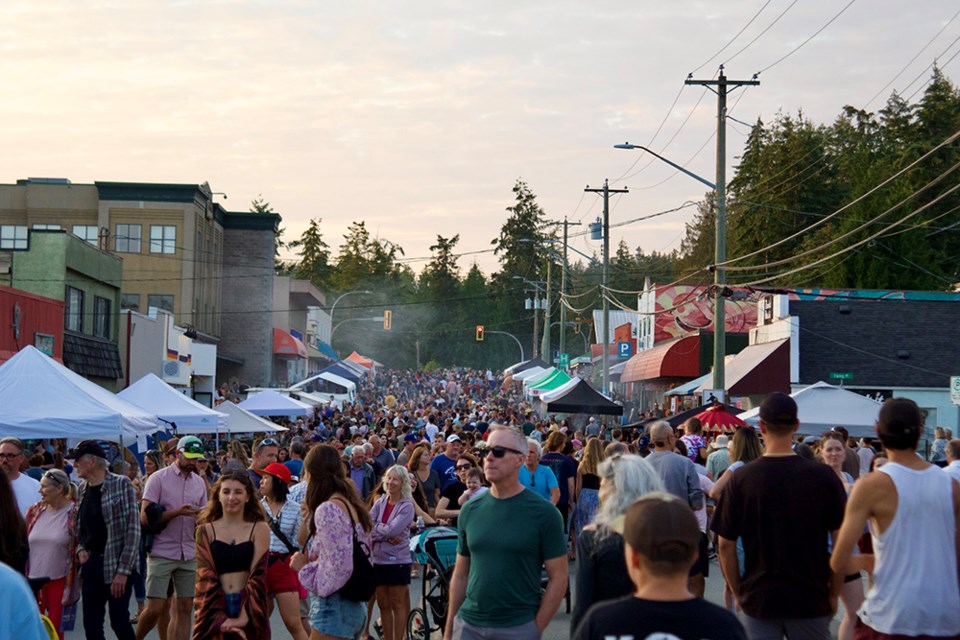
(592, 419)
(453, 438)
(722, 442)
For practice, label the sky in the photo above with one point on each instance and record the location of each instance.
(419, 116)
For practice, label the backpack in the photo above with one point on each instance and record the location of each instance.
(361, 585)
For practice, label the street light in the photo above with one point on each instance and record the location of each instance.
(334, 306)
(536, 306)
(720, 256)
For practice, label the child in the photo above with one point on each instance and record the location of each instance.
(475, 486)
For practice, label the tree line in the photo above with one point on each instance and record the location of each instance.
(791, 175)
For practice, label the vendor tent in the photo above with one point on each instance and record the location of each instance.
(363, 361)
(242, 421)
(822, 406)
(528, 374)
(579, 397)
(536, 379)
(41, 398)
(344, 371)
(526, 364)
(555, 380)
(271, 403)
(171, 406)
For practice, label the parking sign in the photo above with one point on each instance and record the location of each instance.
(624, 349)
(955, 390)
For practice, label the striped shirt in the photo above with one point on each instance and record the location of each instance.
(288, 521)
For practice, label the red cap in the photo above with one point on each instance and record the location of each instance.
(280, 471)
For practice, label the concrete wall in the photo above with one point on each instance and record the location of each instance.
(247, 321)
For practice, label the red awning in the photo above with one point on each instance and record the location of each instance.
(679, 358)
(760, 369)
(285, 344)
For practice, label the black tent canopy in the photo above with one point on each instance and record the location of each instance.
(528, 364)
(582, 398)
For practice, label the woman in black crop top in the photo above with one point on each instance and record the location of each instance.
(232, 543)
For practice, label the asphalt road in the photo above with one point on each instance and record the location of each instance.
(559, 628)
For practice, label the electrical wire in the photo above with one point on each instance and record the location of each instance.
(801, 45)
(733, 39)
(760, 35)
(857, 244)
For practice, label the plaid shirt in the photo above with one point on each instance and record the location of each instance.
(120, 512)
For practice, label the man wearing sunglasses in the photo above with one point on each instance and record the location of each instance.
(265, 453)
(509, 531)
(25, 489)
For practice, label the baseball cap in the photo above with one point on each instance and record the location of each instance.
(280, 471)
(661, 527)
(778, 408)
(722, 442)
(453, 438)
(90, 448)
(191, 448)
(410, 437)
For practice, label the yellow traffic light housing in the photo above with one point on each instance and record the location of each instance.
(479, 333)
(387, 319)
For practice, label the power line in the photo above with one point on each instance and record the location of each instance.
(731, 41)
(760, 35)
(801, 45)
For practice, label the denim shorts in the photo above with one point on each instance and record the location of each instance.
(336, 616)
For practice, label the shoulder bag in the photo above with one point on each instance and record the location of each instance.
(361, 585)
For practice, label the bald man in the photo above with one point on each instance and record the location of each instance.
(678, 473)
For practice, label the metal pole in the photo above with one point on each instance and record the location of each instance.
(719, 275)
(546, 319)
(563, 292)
(515, 339)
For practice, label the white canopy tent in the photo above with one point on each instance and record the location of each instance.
(242, 421)
(526, 374)
(271, 403)
(822, 406)
(189, 416)
(41, 398)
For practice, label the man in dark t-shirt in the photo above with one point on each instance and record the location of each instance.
(783, 508)
(662, 540)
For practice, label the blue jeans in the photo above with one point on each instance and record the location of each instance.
(97, 598)
(336, 616)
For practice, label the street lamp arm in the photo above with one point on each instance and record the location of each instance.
(337, 326)
(673, 164)
(342, 296)
(504, 333)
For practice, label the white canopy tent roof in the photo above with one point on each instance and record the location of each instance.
(41, 398)
(271, 403)
(528, 373)
(822, 406)
(242, 421)
(189, 416)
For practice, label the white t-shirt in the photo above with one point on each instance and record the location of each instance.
(27, 492)
(431, 430)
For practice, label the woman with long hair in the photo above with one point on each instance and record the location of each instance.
(449, 505)
(336, 515)
(232, 544)
(833, 452)
(392, 514)
(52, 532)
(428, 478)
(14, 548)
(588, 483)
(601, 569)
(237, 457)
(283, 515)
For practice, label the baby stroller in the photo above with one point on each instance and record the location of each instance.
(436, 549)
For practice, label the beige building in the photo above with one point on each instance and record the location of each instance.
(181, 251)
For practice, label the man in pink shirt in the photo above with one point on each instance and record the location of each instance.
(182, 494)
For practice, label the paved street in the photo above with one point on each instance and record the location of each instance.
(559, 629)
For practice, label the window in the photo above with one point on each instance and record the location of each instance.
(164, 302)
(52, 227)
(130, 301)
(127, 239)
(86, 232)
(163, 238)
(13, 236)
(101, 317)
(73, 310)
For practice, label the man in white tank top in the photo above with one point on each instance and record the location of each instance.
(913, 510)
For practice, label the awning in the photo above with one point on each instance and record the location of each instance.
(679, 358)
(690, 388)
(364, 362)
(758, 370)
(327, 350)
(285, 344)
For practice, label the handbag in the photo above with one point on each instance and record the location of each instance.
(361, 585)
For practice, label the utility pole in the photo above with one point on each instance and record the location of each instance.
(563, 288)
(720, 252)
(545, 347)
(606, 191)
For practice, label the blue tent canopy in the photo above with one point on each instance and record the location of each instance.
(343, 371)
(327, 350)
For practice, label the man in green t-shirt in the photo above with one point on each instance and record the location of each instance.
(505, 537)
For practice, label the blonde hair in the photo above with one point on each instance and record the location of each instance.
(592, 456)
(406, 490)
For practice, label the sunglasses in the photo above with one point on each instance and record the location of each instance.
(499, 452)
(463, 467)
(267, 442)
(193, 447)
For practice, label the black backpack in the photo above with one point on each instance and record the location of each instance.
(361, 585)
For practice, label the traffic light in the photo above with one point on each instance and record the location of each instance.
(479, 333)
(387, 319)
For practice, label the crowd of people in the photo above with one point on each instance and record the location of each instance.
(317, 522)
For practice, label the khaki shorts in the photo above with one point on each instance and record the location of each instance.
(161, 571)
